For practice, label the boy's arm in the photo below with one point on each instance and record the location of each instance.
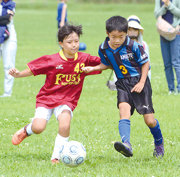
(17, 74)
(99, 67)
(140, 85)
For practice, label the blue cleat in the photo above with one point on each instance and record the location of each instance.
(124, 148)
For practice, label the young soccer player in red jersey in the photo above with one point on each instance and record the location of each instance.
(62, 88)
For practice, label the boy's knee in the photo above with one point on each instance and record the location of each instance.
(38, 125)
(124, 111)
(150, 122)
(38, 129)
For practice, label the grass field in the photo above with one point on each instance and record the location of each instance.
(95, 121)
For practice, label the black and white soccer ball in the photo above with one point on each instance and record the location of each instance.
(72, 153)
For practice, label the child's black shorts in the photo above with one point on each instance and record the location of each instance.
(141, 101)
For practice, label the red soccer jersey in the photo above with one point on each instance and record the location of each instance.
(64, 78)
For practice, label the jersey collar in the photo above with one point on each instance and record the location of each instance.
(64, 58)
(105, 44)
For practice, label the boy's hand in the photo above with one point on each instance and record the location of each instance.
(87, 69)
(138, 87)
(14, 72)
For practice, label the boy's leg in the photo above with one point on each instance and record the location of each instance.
(64, 115)
(124, 130)
(155, 129)
(26, 131)
(37, 126)
(59, 141)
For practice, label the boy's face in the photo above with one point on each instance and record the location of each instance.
(70, 45)
(116, 38)
(133, 32)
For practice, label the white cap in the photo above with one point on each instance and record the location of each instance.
(134, 22)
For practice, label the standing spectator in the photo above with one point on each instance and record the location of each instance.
(170, 12)
(8, 47)
(62, 13)
(135, 32)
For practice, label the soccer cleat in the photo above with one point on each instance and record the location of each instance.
(159, 151)
(124, 148)
(55, 161)
(19, 136)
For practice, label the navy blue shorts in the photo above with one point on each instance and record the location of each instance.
(142, 102)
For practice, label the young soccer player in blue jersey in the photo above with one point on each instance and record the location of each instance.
(131, 64)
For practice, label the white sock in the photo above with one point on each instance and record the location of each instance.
(58, 142)
(29, 130)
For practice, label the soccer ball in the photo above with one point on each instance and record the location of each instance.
(72, 153)
(82, 46)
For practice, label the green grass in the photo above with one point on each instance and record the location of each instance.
(95, 121)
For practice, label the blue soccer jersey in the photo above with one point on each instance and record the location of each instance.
(126, 60)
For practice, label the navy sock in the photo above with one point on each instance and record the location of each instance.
(124, 130)
(156, 132)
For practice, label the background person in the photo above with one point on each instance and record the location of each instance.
(9, 47)
(62, 20)
(170, 11)
(135, 32)
(62, 13)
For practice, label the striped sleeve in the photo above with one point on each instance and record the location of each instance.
(103, 59)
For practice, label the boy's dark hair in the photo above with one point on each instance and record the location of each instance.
(65, 30)
(117, 23)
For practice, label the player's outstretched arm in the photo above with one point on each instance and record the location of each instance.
(88, 69)
(99, 67)
(17, 74)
